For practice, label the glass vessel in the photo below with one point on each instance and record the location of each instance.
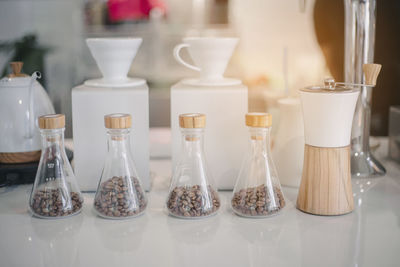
(258, 192)
(192, 194)
(119, 194)
(394, 133)
(359, 50)
(55, 192)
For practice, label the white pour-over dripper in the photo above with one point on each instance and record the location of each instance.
(114, 57)
(211, 56)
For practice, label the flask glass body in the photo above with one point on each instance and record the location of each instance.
(258, 192)
(55, 192)
(120, 193)
(192, 193)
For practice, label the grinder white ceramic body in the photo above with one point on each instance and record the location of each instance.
(114, 93)
(224, 101)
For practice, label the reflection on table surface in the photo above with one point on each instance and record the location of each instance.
(369, 236)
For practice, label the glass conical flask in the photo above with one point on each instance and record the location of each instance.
(192, 194)
(55, 192)
(258, 192)
(119, 194)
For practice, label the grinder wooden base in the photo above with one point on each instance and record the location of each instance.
(325, 187)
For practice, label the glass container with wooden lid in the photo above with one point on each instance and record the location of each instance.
(120, 193)
(55, 193)
(192, 192)
(258, 192)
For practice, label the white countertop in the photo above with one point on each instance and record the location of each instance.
(369, 236)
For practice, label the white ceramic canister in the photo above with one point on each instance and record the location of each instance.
(288, 148)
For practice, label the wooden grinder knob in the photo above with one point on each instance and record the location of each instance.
(371, 72)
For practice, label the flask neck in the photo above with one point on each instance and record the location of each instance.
(192, 140)
(260, 140)
(52, 138)
(118, 141)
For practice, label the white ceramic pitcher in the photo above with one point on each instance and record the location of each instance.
(22, 101)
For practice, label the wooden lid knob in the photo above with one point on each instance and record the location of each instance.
(16, 67)
(259, 119)
(118, 121)
(371, 72)
(192, 120)
(52, 121)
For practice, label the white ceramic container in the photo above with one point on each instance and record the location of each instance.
(288, 148)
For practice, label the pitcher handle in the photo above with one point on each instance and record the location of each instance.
(178, 58)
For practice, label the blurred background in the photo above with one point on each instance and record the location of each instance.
(284, 45)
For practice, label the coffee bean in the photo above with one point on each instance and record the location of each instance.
(55, 203)
(120, 197)
(182, 201)
(256, 201)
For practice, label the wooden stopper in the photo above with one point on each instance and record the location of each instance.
(52, 121)
(118, 121)
(325, 187)
(371, 72)
(259, 119)
(192, 120)
(16, 67)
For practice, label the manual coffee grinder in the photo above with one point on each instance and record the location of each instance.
(328, 111)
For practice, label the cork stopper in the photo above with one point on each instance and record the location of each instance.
(192, 120)
(118, 121)
(52, 121)
(16, 67)
(259, 119)
(371, 72)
